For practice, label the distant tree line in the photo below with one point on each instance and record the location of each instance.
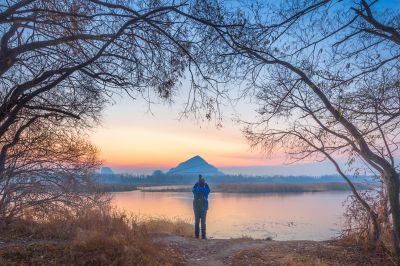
(165, 179)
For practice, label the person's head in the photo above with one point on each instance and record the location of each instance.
(202, 182)
(200, 177)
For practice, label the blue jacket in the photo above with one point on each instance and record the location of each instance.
(206, 190)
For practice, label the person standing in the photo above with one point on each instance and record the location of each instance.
(200, 206)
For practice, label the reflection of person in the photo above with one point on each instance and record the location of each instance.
(200, 206)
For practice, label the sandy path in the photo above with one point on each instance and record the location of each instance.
(208, 252)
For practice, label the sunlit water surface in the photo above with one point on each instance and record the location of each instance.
(304, 216)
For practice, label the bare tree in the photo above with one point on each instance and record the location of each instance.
(326, 75)
(49, 168)
(59, 62)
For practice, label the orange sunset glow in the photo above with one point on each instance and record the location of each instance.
(164, 148)
(130, 137)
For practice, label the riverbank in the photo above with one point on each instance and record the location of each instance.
(167, 249)
(109, 237)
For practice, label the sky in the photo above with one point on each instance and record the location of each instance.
(135, 139)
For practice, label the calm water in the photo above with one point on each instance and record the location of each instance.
(311, 216)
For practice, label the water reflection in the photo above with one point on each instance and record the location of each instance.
(312, 216)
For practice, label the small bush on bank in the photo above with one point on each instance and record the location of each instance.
(166, 226)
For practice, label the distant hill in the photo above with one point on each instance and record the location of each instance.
(106, 171)
(194, 166)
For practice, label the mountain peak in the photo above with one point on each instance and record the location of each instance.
(194, 166)
(196, 158)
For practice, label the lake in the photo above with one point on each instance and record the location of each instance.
(303, 216)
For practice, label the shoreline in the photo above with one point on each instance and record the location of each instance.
(112, 238)
(264, 188)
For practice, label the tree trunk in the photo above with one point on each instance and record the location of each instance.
(393, 193)
(376, 234)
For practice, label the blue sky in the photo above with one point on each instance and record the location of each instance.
(136, 139)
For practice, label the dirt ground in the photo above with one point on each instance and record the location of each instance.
(267, 252)
(210, 252)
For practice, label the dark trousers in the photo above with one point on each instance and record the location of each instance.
(200, 217)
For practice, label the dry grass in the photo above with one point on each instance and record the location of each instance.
(115, 187)
(258, 257)
(92, 237)
(267, 187)
(381, 249)
(249, 257)
(167, 226)
(283, 187)
(296, 260)
(298, 253)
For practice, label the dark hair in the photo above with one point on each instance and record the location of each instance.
(202, 182)
(200, 176)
